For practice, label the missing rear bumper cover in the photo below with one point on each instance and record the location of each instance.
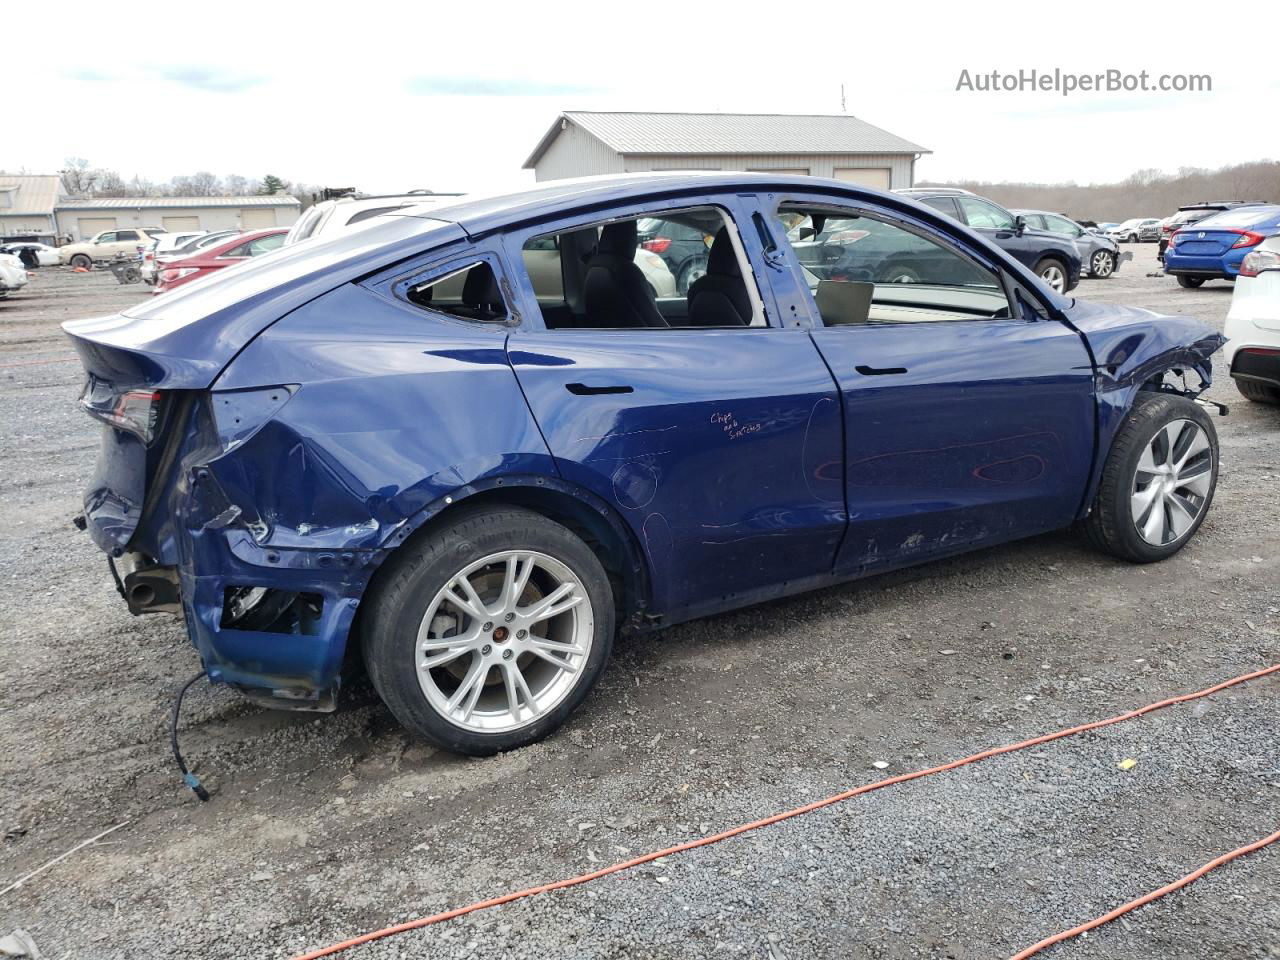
(268, 610)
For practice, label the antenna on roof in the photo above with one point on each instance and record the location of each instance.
(842, 109)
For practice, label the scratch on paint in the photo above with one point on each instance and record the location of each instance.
(629, 433)
(730, 425)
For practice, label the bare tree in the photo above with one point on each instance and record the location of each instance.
(77, 176)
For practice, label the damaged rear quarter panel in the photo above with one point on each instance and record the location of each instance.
(1130, 347)
(390, 408)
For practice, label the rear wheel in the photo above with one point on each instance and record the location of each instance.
(82, 261)
(488, 634)
(1158, 480)
(1103, 264)
(1053, 273)
(1258, 392)
(1190, 282)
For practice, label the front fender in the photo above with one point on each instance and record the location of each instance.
(1132, 348)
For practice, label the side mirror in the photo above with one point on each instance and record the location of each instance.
(1019, 225)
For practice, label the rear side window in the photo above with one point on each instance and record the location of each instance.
(469, 292)
(945, 205)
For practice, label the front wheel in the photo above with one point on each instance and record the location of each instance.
(691, 272)
(81, 261)
(1189, 282)
(1103, 264)
(1053, 273)
(486, 635)
(1158, 480)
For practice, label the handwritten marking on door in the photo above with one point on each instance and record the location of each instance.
(730, 425)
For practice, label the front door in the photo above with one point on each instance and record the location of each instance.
(719, 445)
(967, 422)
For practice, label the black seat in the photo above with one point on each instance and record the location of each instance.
(719, 298)
(615, 291)
(481, 295)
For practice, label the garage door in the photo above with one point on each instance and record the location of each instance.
(785, 171)
(89, 226)
(877, 177)
(180, 224)
(258, 219)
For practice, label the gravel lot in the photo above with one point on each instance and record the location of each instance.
(323, 827)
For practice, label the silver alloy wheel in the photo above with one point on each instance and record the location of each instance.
(504, 641)
(692, 273)
(902, 275)
(1171, 484)
(1054, 276)
(1102, 264)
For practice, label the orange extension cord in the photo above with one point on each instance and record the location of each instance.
(837, 798)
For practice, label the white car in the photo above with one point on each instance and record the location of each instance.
(329, 217)
(1139, 228)
(165, 245)
(46, 256)
(13, 275)
(1253, 325)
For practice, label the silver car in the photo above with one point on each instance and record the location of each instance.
(1100, 256)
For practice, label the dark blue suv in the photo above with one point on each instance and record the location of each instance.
(407, 444)
(1054, 259)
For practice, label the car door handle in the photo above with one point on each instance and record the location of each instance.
(866, 371)
(582, 390)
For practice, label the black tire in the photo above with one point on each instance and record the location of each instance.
(1110, 524)
(897, 274)
(1258, 392)
(690, 272)
(1046, 267)
(1189, 282)
(1102, 264)
(82, 260)
(393, 610)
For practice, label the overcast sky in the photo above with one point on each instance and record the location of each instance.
(385, 96)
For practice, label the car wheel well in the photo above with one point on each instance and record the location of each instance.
(607, 537)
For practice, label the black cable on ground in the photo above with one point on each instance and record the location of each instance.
(189, 778)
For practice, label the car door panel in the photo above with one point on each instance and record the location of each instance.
(720, 448)
(963, 433)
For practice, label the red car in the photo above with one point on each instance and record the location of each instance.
(233, 250)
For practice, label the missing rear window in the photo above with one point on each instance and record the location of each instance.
(470, 292)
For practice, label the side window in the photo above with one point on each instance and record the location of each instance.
(265, 244)
(945, 205)
(1035, 221)
(1062, 225)
(681, 268)
(469, 292)
(106, 238)
(123, 235)
(235, 252)
(982, 215)
(865, 269)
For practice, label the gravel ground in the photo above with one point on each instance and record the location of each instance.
(322, 827)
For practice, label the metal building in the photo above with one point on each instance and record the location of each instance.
(81, 218)
(585, 143)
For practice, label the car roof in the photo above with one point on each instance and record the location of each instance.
(934, 192)
(479, 213)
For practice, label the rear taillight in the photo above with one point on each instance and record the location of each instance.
(170, 274)
(1248, 239)
(1259, 261)
(133, 410)
(657, 244)
(1173, 238)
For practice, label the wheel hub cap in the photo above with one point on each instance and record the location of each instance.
(1172, 483)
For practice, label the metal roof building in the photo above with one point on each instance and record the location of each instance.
(26, 206)
(82, 218)
(585, 143)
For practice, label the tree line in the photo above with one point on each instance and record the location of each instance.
(1146, 193)
(81, 179)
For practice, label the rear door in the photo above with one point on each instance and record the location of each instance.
(721, 447)
(968, 419)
